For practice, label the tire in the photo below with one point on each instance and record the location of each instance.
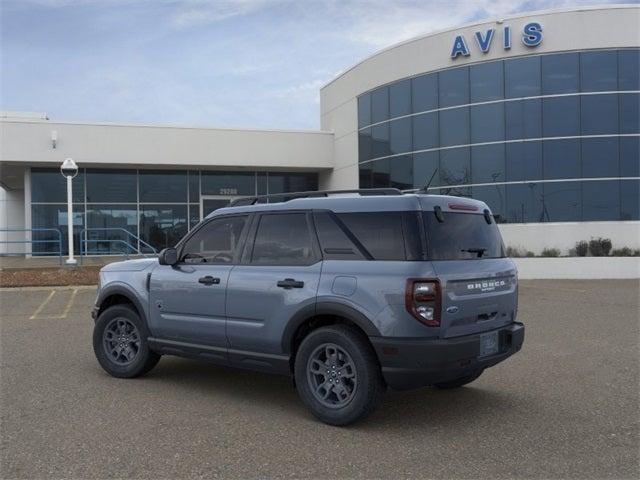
(131, 357)
(459, 382)
(359, 387)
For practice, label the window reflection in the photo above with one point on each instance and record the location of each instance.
(107, 229)
(561, 202)
(560, 73)
(163, 226)
(601, 200)
(455, 167)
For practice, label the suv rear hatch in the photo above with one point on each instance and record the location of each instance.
(478, 283)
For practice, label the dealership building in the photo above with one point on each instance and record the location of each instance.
(536, 114)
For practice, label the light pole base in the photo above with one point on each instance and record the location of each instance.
(71, 261)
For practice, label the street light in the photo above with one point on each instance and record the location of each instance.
(69, 169)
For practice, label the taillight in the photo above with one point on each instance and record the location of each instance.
(422, 300)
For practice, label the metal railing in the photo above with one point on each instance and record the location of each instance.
(130, 243)
(31, 241)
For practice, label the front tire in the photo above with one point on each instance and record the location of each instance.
(120, 343)
(338, 376)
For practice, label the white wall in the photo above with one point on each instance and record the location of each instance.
(583, 268)
(11, 216)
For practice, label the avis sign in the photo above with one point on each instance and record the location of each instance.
(531, 37)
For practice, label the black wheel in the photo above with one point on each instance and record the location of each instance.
(120, 343)
(338, 376)
(459, 382)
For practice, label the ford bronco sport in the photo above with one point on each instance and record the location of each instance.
(347, 292)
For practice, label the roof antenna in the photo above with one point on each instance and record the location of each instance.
(426, 187)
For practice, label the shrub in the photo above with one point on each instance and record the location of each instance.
(600, 247)
(516, 252)
(530, 253)
(625, 252)
(582, 248)
(550, 252)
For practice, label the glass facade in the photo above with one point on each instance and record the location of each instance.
(544, 138)
(158, 206)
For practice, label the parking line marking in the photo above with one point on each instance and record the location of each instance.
(42, 305)
(68, 307)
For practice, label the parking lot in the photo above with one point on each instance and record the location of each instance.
(566, 406)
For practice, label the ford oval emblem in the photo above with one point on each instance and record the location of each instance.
(452, 309)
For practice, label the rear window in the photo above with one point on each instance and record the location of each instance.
(462, 236)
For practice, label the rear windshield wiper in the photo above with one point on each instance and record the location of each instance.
(478, 251)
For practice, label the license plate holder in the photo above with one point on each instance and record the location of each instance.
(489, 344)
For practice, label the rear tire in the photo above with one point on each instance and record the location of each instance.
(120, 343)
(337, 375)
(459, 382)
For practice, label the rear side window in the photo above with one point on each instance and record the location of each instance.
(283, 239)
(381, 233)
(462, 236)
(334, 241)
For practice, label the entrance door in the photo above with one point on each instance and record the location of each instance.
(209, 203)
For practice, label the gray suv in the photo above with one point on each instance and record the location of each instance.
(347, 292)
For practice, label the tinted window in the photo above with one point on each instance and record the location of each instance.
(455, 167)
(166, 186)
(598, 71)
(487, 82)
(400, 135)
(487, 164)
(599, 114)
(117, 220)
(424, 165)
(454, 127)
(561, 159)
(523, 119)
(364, 144)
(522, 77)
(283, 239)
(460, 232)
(364, 110)
(380, 141)
(194, 186)
(53, 216)
(111, 186)
(524, 203)
(601, 200)
(215, 242)
(523, 161)
(629, 69)
(228, 183)
(629, 113)
(454, 87)
(560, 73)
(334, 242)
(630, 156)
(401, 173)
(487, 123)
(562, 202)
(600, 157)
(561, 116)
(48, 185)
(424, 92)
(400, 98)
(425, 131)
(630, 200)
(380, 233)
(380, 173)
(163, 226)
(494, 197)
(380, 105)
(292, 182)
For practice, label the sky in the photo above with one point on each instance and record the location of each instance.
(219, 63)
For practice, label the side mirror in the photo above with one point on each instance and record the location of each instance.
(168, 256)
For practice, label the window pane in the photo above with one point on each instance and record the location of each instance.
(216, 242)
(194, 215)
(163, 186)
(494, 197)
(380, 174)
(487, 123)
(601, 200)
(55, 217)
(599, 71)
(560, 73)
(163, 226)
(524, 203)
(424, 165)
(522, 77)
(487, 81)
(49, 186)
(402, 172)
(454, 127)
(292, 182)
(111, 224)
(599, 114)
(424, 92)
(380, 233)
(334, 242)
(600, 157)
(283, 240)
(561, 159)
(364, 145)
(364, 173)
(111, 186)
(455, 168)
(228, 183)
(380, 141)
(400, 133)
(194, 186)
(262, 183)
(629, 70)
(630, 199)
(425, 131)
(523, 119)
(364, 110)
(523, 161)
(630, 156)
(454, 87)
(629, 113)
(487, 164)
(400, 98)
(561, 116)
(562, 202)
(380, 105)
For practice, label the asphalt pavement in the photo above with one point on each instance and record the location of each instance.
(566, 406)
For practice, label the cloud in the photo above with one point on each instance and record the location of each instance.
(191, 13)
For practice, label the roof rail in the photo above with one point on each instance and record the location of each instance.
(285, 197)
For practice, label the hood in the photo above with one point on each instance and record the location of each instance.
(136, 265)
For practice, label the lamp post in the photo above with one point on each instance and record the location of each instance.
(69, 169)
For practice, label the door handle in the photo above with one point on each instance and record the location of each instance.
(209, 280)
(290, 283)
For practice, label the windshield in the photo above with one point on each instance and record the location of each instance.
(462, 236)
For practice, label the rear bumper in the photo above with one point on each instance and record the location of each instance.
(414, 363)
